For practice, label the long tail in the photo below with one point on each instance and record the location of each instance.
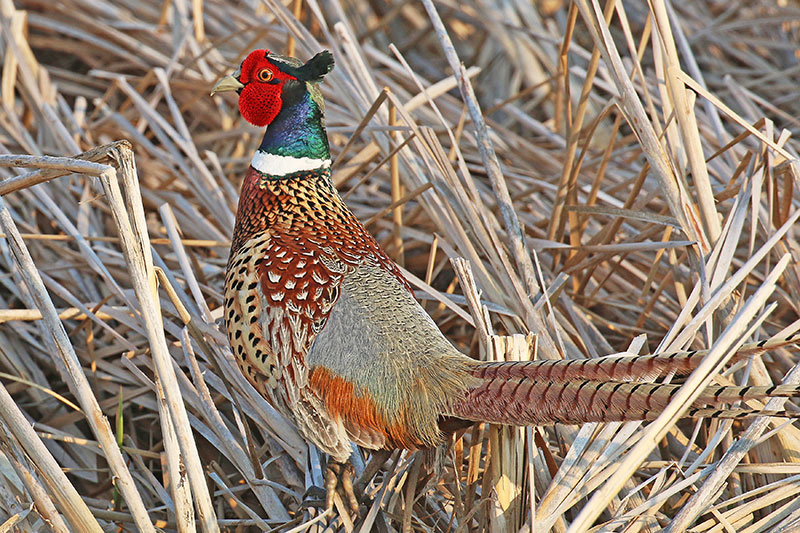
(597, 390)
(618, 367)
(525, 402)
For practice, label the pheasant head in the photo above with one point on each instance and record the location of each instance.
(282, 93)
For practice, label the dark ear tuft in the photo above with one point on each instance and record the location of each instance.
(316, 67)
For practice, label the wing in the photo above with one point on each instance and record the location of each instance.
(277, 298)
(381, 365)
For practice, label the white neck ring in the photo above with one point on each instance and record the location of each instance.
(280, 165)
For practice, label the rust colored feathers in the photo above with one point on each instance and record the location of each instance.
(606, 389)
(521, 401)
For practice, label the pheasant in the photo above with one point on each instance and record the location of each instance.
(325, 326)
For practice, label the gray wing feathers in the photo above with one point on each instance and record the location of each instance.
(381, 340)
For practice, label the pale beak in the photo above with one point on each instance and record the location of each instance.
(228, 83)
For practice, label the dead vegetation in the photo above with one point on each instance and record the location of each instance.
(614, 186)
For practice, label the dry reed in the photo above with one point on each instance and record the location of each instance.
(614, 176)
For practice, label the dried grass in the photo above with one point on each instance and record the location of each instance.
(613, 177)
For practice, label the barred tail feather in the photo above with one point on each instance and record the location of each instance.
(616, 367)
(711, 412)
(522, 401)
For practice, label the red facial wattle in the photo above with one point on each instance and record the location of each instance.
(260, 98)
(260, 103)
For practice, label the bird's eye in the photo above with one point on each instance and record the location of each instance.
(264, 74)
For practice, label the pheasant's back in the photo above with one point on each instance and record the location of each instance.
(383, 343)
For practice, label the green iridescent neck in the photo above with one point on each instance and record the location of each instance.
(299, 129)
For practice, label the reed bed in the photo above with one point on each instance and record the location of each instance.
(558, 179)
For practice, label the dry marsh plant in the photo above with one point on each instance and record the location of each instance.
(613, 176)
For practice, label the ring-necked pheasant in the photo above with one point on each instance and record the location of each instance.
(324, 325)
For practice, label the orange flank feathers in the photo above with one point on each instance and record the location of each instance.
(358, 412)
